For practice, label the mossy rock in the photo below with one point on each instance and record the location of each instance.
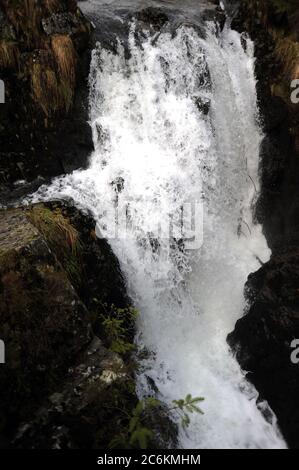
(56, 283)
(43, 322)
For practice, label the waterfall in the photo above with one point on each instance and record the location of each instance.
(176, 138)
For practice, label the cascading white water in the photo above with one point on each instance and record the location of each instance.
(156, 144)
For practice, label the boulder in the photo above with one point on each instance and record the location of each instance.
(154, 17)
(68, 23)
(61, 23)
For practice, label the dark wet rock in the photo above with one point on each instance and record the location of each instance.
(279, 173)
(272, 164)
(61, 23)
(63, 384)
(102, 273)
(203, 105)
(57, 283)
(275, 113)
(294, 23)
(218, 15)
(68, 23)
(44, 130)
(279, 164)
(262, 338)
(118, 184)
(6, 28)
(154, 17)
(44, 324)
(165, 430)
(32, 152)
(81, 414)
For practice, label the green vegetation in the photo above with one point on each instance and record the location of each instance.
(186, 406)
(138, 434)
(135, 424)
(118, 325)
(116, 334)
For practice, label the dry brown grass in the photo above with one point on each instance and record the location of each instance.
(52, 6)
(66, 96)
(66, 58)
(9, 55)
(55, 227)
(25, 16)
(30, 7)
(62, 237)
(44, 87)
(50, 91)
(288, 52)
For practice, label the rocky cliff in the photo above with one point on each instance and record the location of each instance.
(44, 65)
(262, 338)
(68, 329)
(65, 318)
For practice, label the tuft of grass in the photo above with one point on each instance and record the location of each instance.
(9, 55)
(288, 52)
(50, 93)
(65, 96)
(44, 87)
(52, 6)
(62, 238)
(55, 227)
(66, 58)
(25, 16)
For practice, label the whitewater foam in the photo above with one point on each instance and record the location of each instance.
(174, 124)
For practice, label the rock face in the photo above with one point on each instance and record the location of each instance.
(277, 59)
(58, 284)
(155, 17)
(44, 63)
(262, 338)
(81, 413)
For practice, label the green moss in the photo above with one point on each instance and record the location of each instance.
(114, 411)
